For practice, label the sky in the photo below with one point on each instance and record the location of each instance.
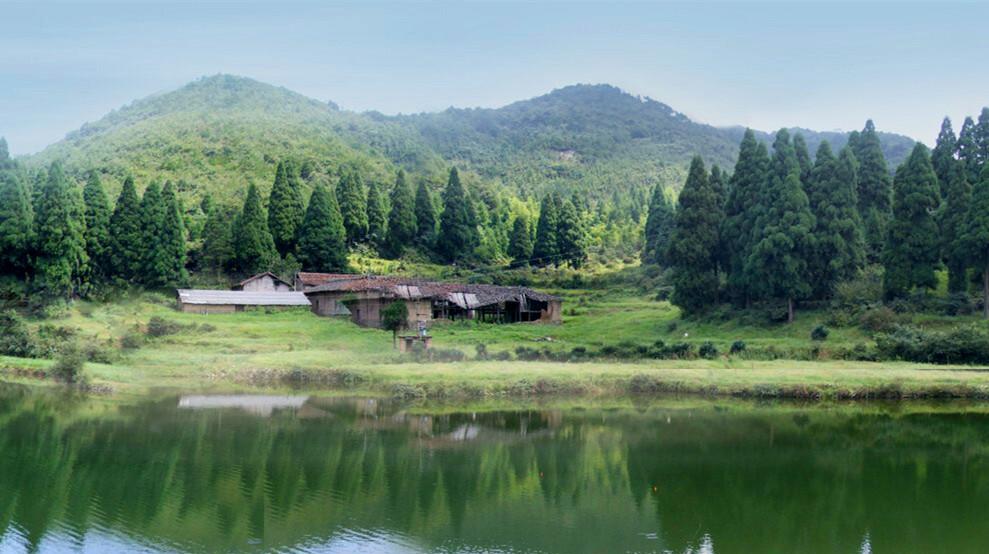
(821, 65)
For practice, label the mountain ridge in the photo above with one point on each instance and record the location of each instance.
(219, 133)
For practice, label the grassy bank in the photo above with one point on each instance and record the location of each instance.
(297, 349)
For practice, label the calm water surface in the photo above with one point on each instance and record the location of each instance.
(308, 474)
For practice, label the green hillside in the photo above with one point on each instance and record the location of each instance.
(221, 133)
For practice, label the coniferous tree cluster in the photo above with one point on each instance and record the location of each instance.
(793, 227)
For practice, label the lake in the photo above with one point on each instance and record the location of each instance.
(299, 473)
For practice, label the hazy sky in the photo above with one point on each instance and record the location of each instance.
(825, 66)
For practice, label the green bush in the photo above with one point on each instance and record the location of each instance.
(161, 327)
(820, 333)
(861, 292)
(708, 351)
(15, 338)
(880, 319)
(69, 366)
(963, 345)
(132, 341)
(737, 347)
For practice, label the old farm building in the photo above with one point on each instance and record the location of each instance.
(263, 282)
(363, 298)
(228, 301)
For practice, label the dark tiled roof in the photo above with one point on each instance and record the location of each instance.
(464, 295)
(310, 279)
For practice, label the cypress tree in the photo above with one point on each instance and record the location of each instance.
(520, 242)
(968, 150)
(402, 226)
(217, 250)
(97, 225)
(5, 159)
(425, 217)
(943, 155)
(352, 199)
(322, 237)
(285, 208)
(16, 224)
(126, 236)
(546, 249)
(458, 235)
(974, 243)
(982, 137)
(719, 184)
(61, 246)
(875, 190)
(912, 250)
(839, 247)
(154, 263)
(377, 218)
(571, 235)
(173, 243)
(741, 213)
(780, 257)
(659, 227)
(694, 244)
(954, 211)
(803, 157)
(253, 246)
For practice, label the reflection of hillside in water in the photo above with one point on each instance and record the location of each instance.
(382, 476)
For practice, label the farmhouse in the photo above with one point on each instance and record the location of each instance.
(263, 282)
(307, 280)
(228, 301)
(363, 298)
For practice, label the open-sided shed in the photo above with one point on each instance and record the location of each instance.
(227, 301)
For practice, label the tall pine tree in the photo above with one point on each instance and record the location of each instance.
(126, 236)
(571, 235)
(377, 218)
(968, 150)
(838, 243)
(694, 244)
(520, 241)
(943, 155)
(974, 243)
(982, 137)
(153, 260)
(173, 244)
(352, 199)
(322, 237)
(659, 227)
(546, 250)
(425, 217)
(285, 208)
(97, 226)
(954, 212)
(218, 250)
(16, 224)
(912, 249)
(61, 246)
(402, 226)
(458, 234)
(803, 157)
(741, 214)
(254, 248)
(875, 189)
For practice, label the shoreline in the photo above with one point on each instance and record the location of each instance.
(780, 379)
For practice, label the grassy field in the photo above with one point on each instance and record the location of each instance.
(294, 348)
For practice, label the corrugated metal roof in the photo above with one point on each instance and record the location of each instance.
(311, 279)
(242, 298)
(480, 295)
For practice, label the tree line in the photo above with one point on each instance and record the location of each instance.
(784, 227)
(65, 240)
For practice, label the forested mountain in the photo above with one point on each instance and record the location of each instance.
(222, 133)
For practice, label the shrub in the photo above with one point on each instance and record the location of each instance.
(964, 345)
(15, 338)
(132, 341)
(68, 367)
(861, 292)
(737, 347)
(482, 351)
(708, 351)
(819, 333)
(880, 319)
(51, 339)
(161, 327)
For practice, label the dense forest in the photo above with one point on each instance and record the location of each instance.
(785, 228)
(178, 186)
